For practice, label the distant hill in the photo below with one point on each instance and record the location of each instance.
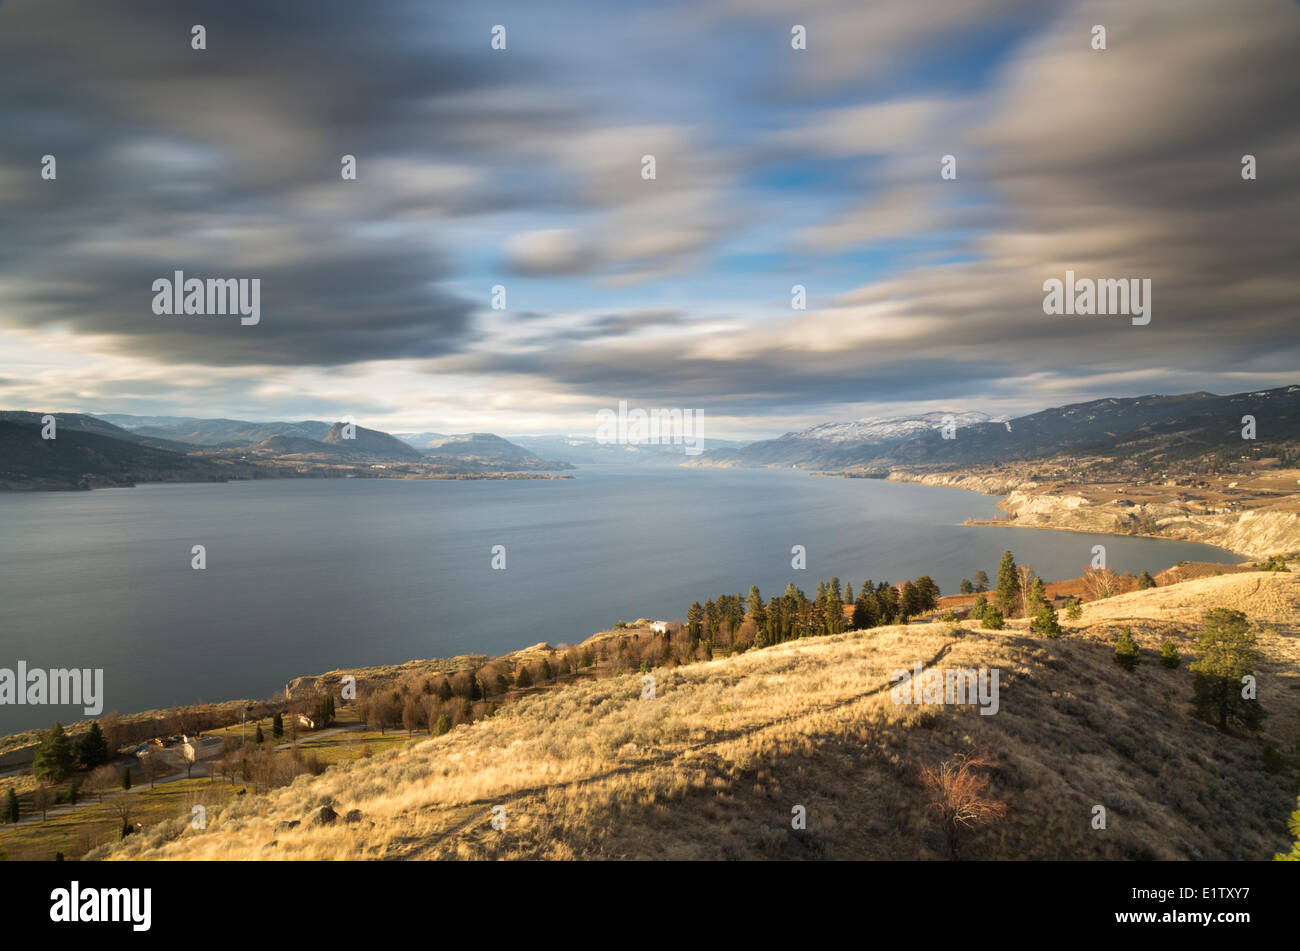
(80, 422)
(216, 433)
(118, 449)
(80, 459)
(1154, 425)
(370, 442)
(483, 448)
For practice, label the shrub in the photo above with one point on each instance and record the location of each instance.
(1169, 655)
(1074, 610)
(993, 620)
(1273, 761)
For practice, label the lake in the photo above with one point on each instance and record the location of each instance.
(310, 575)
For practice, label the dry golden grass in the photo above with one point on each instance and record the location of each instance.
(713, 766)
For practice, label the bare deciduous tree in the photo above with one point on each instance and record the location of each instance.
(957, 789)
(1027, 576)
(1101, 583)
(102, 779)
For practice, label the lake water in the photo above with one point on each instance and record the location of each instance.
(310, 575)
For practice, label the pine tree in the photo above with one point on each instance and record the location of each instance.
(1293, 825)
(1127, 654)
(126, 778)
(981, 580)
(258, 737)
(1146, 581)
(277, 725)
(54, 757)
(756, 610)
(444, 690)
(929, 592)
(695, 620)
(848, 593)
(978, 607)
(992, 619)
(909, 602)
(525, 679)
(1044, 621)
(966, 587)
(1226, 654)
(92, 751)
(866, 613)
(11, 806)
(1008, 593)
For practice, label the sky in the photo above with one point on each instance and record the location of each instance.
(522, 168)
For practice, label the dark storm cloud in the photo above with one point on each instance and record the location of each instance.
(171, 158)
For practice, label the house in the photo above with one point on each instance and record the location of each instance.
(308, 722)
(659, 627)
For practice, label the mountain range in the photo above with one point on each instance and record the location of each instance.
(93, 451)
(1151, 428)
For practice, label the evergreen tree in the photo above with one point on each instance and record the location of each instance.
(547, 672)
(1008, 593)
(277, 725)
(966, 586)
(992, 619)
(258, 737)
(1044, 621)
(1146, 581)
(981, 580)
(756, 610)
(54, 757)
(1226, 653)
(848, 593)
(977, 609)
(1169, 655)
(866, 613)
(525, 679)
(887, 598)
(126, 778)
(929, 593)
(92, 750)
(1127, 654)
(444, 725)
(444, 690)
(695, 621)
(11, 806)
(909, 602)
(1293, 825)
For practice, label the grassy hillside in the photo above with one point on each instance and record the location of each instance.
(713, 766)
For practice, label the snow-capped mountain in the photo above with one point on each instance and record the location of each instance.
(874, 429)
